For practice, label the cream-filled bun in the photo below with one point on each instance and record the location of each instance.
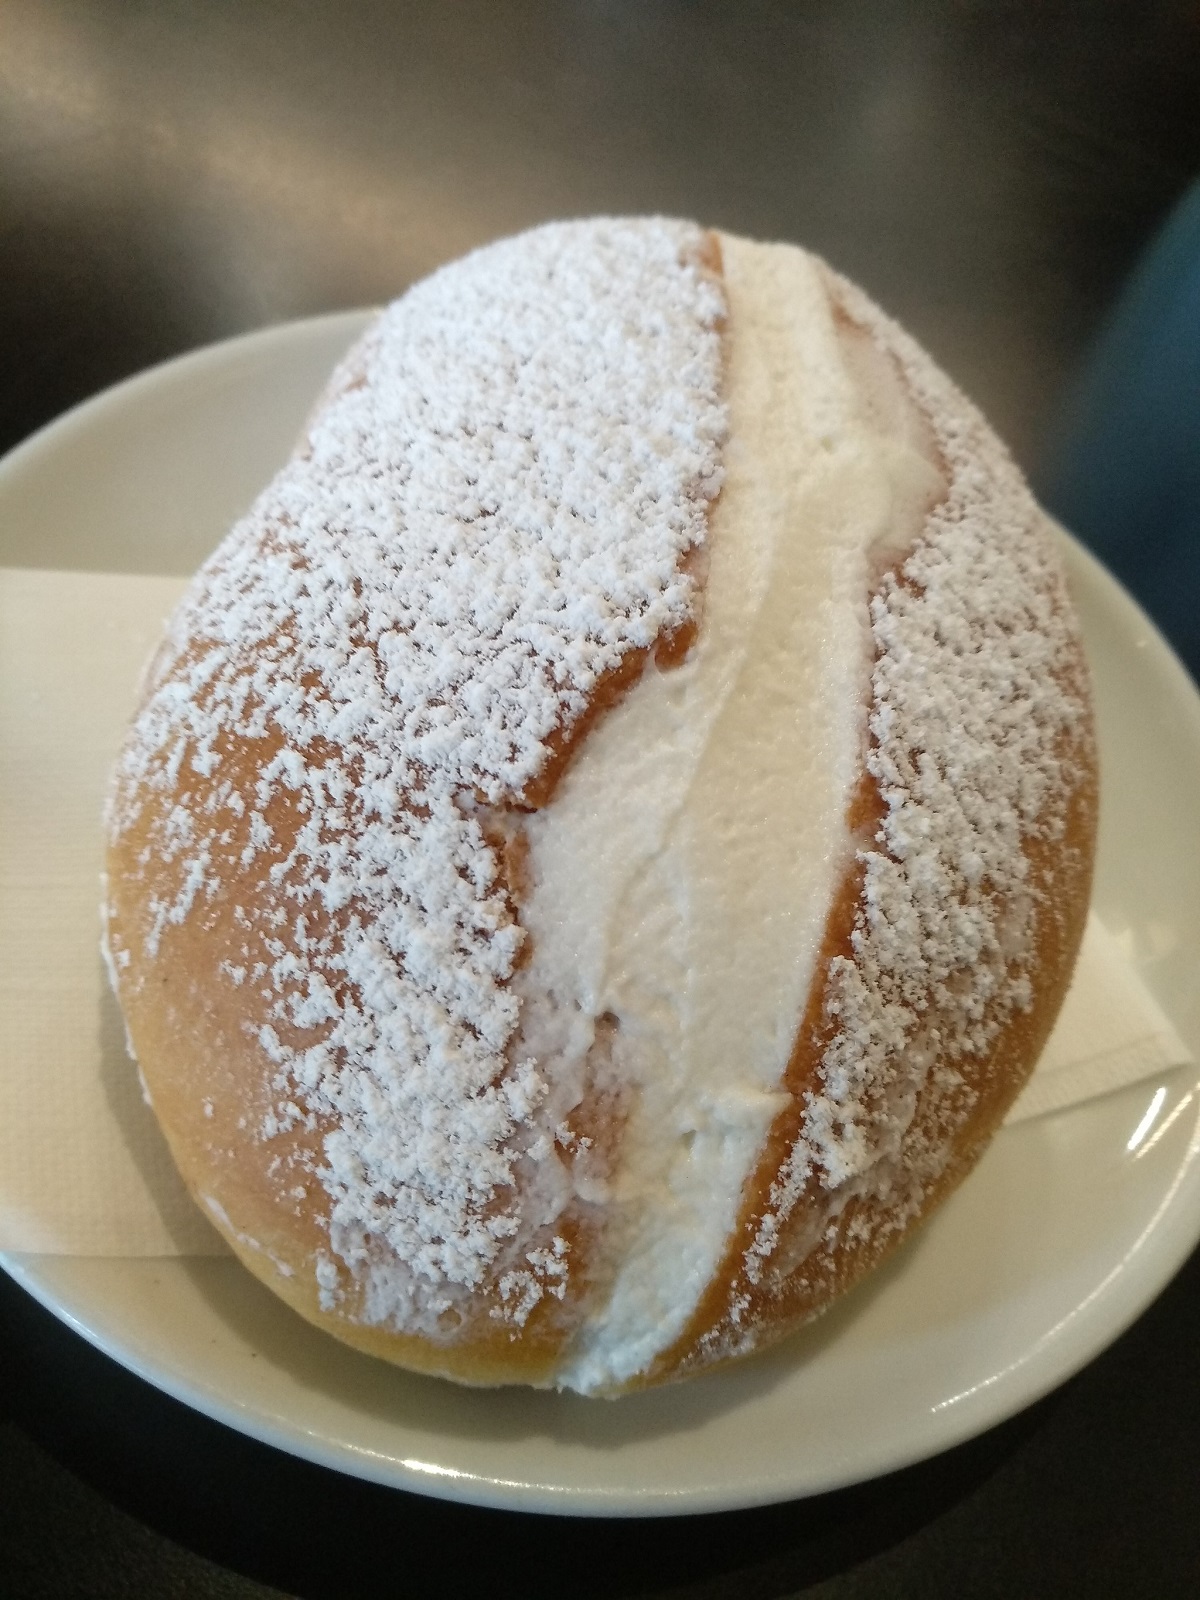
(605, 839)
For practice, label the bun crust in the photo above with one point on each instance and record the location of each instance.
(337, 915)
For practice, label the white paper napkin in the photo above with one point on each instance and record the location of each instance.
(83, 1168)
(1111, 1031)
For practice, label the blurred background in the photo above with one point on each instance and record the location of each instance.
(999, 176)
(174, 172)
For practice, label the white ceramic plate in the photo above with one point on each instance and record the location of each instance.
(1065, 1232)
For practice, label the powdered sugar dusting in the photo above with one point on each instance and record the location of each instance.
(487, 515)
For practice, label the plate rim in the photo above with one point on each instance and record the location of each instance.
(1175, 1224)
(198, 359)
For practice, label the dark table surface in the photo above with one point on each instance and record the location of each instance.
(173, 171)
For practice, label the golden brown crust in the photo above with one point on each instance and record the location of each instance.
(197, 1038)
(211, 1079)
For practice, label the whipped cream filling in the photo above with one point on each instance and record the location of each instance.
(681, 877)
